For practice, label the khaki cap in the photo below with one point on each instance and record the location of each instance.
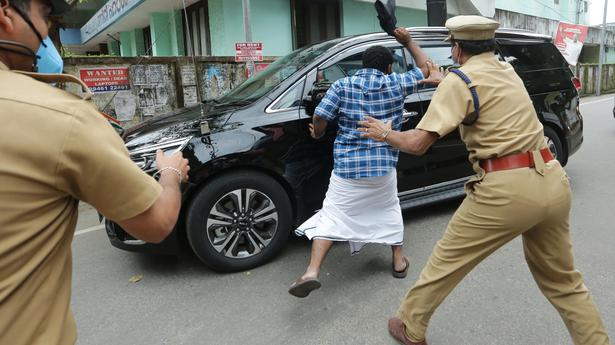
(471, 28)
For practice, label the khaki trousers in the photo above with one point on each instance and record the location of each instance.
(532, 202)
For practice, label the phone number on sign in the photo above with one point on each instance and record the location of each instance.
(109, 88)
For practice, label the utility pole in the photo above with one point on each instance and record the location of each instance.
(601, 58)
(247, 26)
(436, 12)
(578, 12)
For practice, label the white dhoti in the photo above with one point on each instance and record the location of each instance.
(359, 211)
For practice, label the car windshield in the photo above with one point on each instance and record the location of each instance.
(263, 82)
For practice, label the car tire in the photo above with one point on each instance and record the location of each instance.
(228, 234)
(555, 145)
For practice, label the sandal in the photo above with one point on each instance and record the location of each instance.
(302, 288)
(403, 273)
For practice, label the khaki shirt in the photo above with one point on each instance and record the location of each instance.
(55, 149)
(507, 124)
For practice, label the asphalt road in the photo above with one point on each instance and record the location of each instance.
(179, 301)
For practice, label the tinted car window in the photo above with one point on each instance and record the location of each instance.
(440, 55)
(263, 82)
(350, 65)
(292, 98)
(526, 56)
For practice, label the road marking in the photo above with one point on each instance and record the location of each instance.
(598, 101)
(94, 228)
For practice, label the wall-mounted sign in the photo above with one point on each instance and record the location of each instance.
(248, 51)
(105, 79)
(107, 15)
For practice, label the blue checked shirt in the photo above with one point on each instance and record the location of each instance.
(368, 92)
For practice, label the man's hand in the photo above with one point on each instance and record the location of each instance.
(374, 129)
(403, 36)
(176, 161)
(435, 75)
(157, 222)
(313, 132)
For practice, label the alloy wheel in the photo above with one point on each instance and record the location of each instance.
(242, 223)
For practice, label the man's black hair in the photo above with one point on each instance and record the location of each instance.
(377, 57)
(476, 47)
(23, 5)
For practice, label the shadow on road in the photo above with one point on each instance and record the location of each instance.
(296, 249)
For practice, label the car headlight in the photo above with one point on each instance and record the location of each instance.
(145, 156)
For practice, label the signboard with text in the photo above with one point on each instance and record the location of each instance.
(105, 79)
(248, 51)
(111, 12)
(569, 40)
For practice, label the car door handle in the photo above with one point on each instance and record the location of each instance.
(407, 115)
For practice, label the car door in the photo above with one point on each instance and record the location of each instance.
(410, 169)
(447, 159)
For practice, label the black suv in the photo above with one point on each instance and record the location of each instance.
(256, 173)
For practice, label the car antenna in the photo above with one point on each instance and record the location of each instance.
(204, 124)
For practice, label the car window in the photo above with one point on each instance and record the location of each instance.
(440, 55)
(349, 65)
(290, 99)
(531, 56)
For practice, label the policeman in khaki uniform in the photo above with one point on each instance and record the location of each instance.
(56, 149)
(518, 189)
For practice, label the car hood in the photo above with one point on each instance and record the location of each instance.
(179, 124)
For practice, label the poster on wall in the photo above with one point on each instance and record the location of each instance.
(569, 40)
(149, 111)
(162, 95)
(138, 72)
(105, 79)
(258, 67)
(190, 95)
(125, 105)
(156, 74)
(147, 97)
(188, 75)
(248, 51)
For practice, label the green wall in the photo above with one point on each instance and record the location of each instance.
(271, 24)
(360, 17)
(167, 34)
(177, 35)
(132, 43)
(114, 47)
(564, 11)
(226, 26)
(160, 27)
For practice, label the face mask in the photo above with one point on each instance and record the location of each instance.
(48, 59)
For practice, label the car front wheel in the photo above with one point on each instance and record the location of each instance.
(238, 221)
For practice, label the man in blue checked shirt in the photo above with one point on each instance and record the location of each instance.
(361, 205)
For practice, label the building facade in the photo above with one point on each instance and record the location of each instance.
(212, 27)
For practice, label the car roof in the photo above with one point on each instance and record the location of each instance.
(434, 32)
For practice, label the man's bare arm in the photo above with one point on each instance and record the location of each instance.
(403, 36)
(155, 224)
(414, 141)
(318, 127)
